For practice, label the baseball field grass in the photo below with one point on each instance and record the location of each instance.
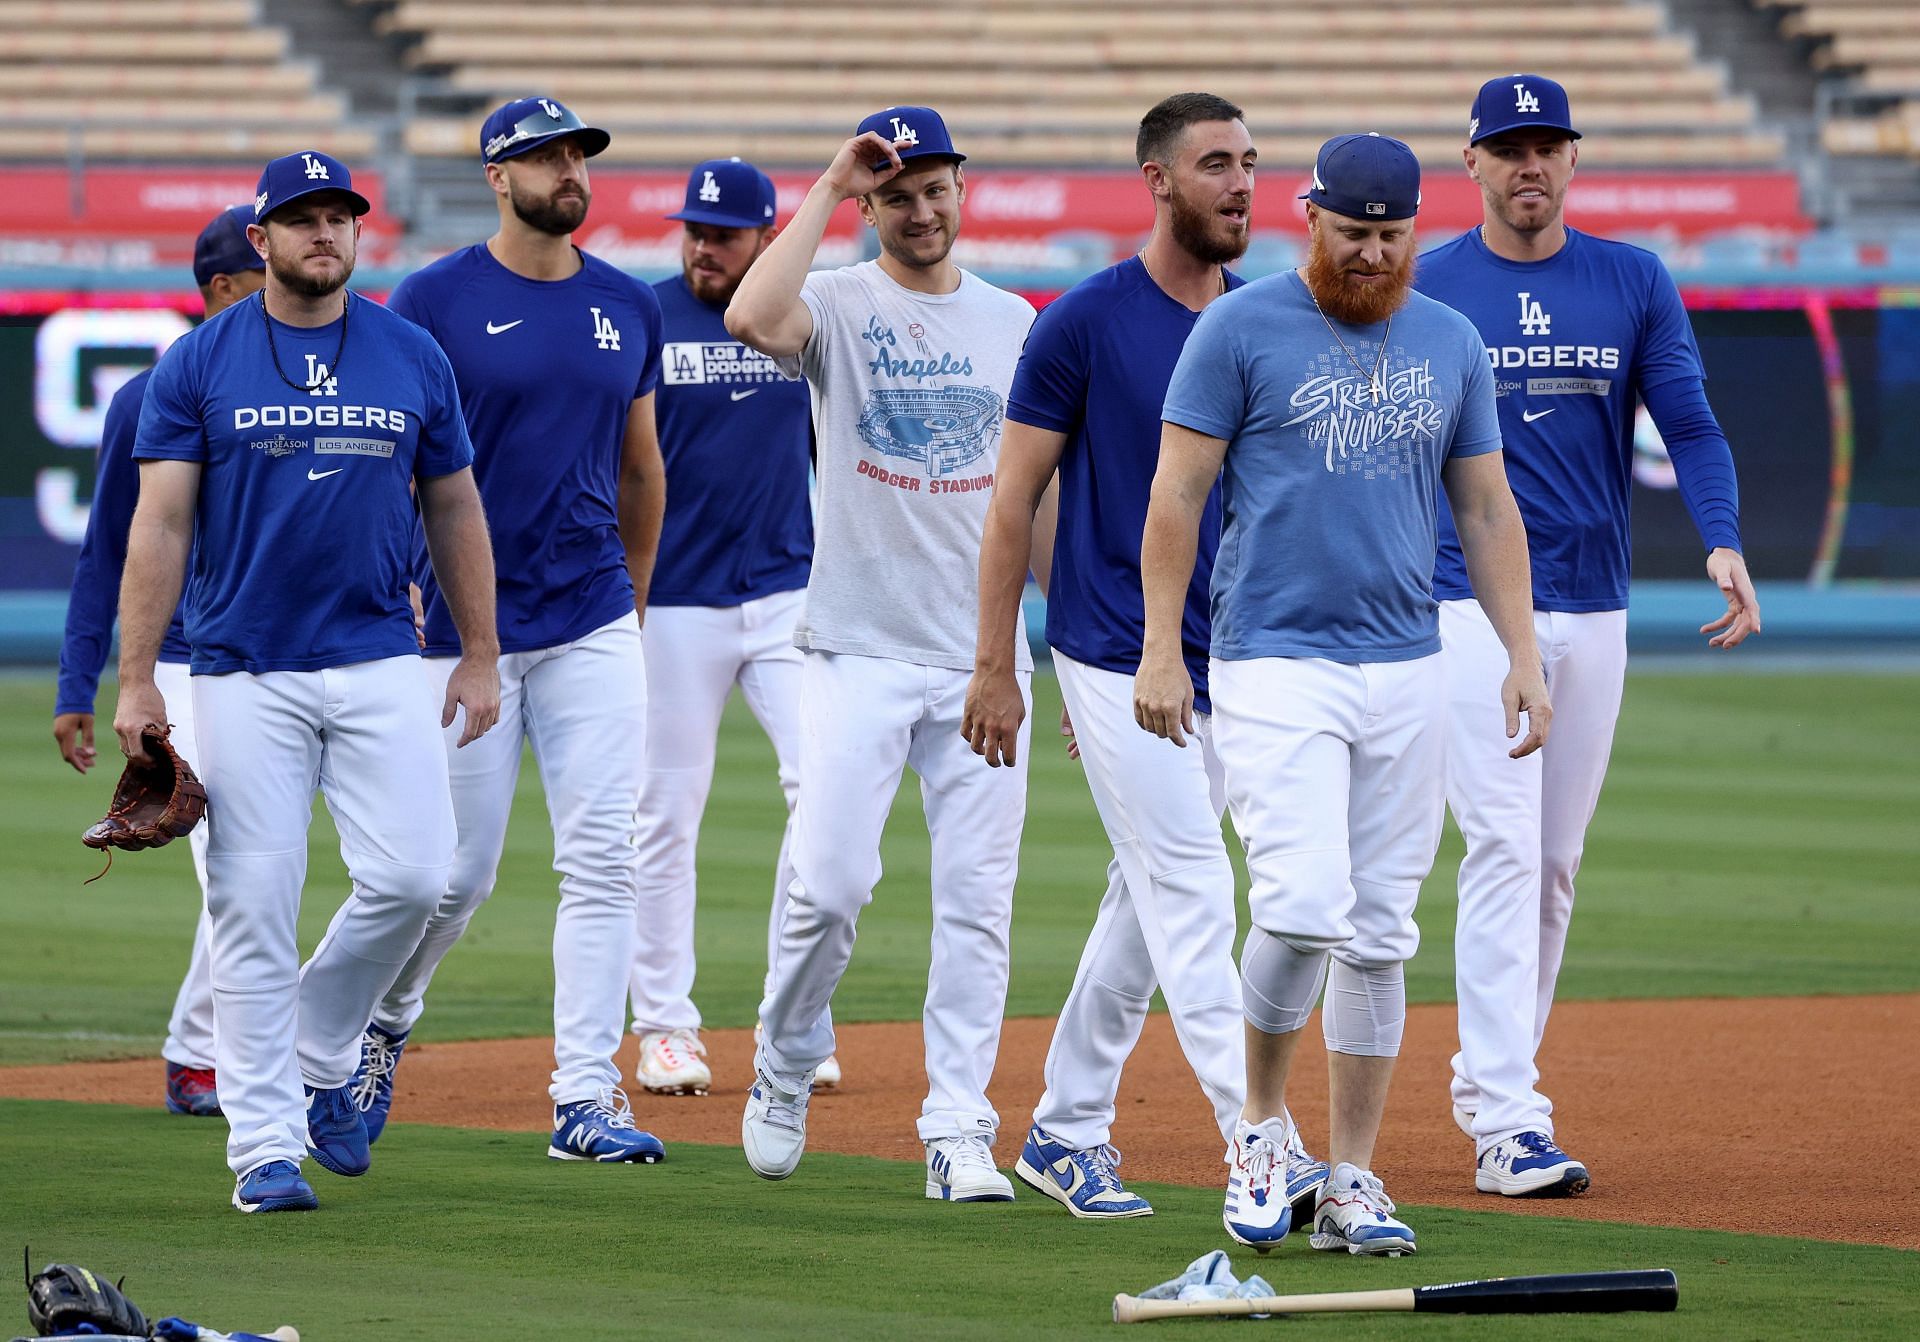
(1756, 838)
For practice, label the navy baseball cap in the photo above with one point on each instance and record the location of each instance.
(223, 248)
(922, 129)
(1515, 101)
(1370, 176)
(304, 174)
(528, 123)
(728, 193)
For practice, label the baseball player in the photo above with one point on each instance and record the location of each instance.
(227, 269)
(278, 441)
(737, 437)
(1578, 329)
(1336, 401)
(1086, 402)
(909, 358)
(556, 354)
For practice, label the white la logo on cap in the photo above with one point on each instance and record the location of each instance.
(1318, 185)
(550, 109)
(1524, 101)
(903, 132)
(316, 169)
(710, 189)
(259, 203)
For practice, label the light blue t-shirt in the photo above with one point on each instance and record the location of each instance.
(1328, 535)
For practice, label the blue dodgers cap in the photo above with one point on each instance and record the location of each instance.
(728, 193)
(1512, 102)
(1370, 176)
(223, 247)
(528, 123)
(304, 174)
(922, 129)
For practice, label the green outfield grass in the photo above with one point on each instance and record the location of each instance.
(1756, 837)
(475, 1235)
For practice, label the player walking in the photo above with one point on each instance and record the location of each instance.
(736, 434)
(1086, 402)
(910, 358)
(1579, 328)
(556, 355)
(278, 441)
(227, 269)
(1337, 402)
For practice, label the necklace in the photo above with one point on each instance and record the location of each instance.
(1163, 288)
(328, 372)
(1374, 383)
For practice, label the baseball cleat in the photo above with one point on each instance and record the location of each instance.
(372, 1083)
(960, 1169)
(601, 1129)
(337, 1131)
(192, 1091)
(1355, 1214)
(773, 1129)
(1085, 1182)
(274, 1187)
(1529, 1165)
(1257, 1213)
(673, 1062)
(1305, 1178)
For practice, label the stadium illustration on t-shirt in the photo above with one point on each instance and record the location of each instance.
(946, 429)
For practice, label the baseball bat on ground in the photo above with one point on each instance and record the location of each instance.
(1652, 1289)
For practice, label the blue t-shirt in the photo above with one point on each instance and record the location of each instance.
(304, 531)
(94, 601)
(1328, 496)
(1096, 368)
(1573, 341)
(737, 436)
(548, 371)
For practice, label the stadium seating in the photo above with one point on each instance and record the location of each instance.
(1876, 43)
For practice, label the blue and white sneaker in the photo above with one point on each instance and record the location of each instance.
(1529, 1165)
(1257, 1213)
(1305, 1178)
(602, 1129)
(274, 1187)
(1085, 1182)
(773, 1127)
(337, 1132)
(372, 1083)
(1355, 1214)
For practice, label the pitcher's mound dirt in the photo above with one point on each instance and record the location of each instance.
(1782, 1116)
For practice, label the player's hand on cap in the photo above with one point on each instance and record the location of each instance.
(1163, 697)
(73, 733)
(1728, 569)
(138, 706)
(992, 717)
(863, 164)
(1525, 691)
(474, 688)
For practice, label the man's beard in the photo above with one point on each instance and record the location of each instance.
(1355, 304)
(1194, 232)
(703, 284)
(556, 215)
(1510, 216)
(297, 281)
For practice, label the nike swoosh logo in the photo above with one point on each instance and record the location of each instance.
(321, 475)
(742, 395)
(496, 330)
(1528, 416)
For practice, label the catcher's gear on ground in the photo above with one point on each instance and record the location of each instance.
(64, 1299)
(156, 801)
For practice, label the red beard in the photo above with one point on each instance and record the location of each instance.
(1343, 299)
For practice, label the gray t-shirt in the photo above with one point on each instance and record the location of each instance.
(909, 392)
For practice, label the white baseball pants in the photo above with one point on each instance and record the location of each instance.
(583, 706)
(1525, 823)
(1166, 920)
(190, 1029)
(367, 736)
(695, 656)
(862, 719)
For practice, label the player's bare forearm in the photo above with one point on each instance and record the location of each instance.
(158, 542)
(1493, 540)
(1028, 458)
(642, 502)
(1169, 546)
(462, 556)
(1046, 525)
(766, 311)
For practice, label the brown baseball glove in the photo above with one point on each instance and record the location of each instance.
(155, 803)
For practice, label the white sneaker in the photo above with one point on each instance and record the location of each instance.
(1355, 1214)
(1256, 1213)
(773, 1130)
(673, 1062)
(960, 1169)
(825, 1077)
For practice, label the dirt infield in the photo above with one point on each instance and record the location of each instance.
(1781, 1116)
